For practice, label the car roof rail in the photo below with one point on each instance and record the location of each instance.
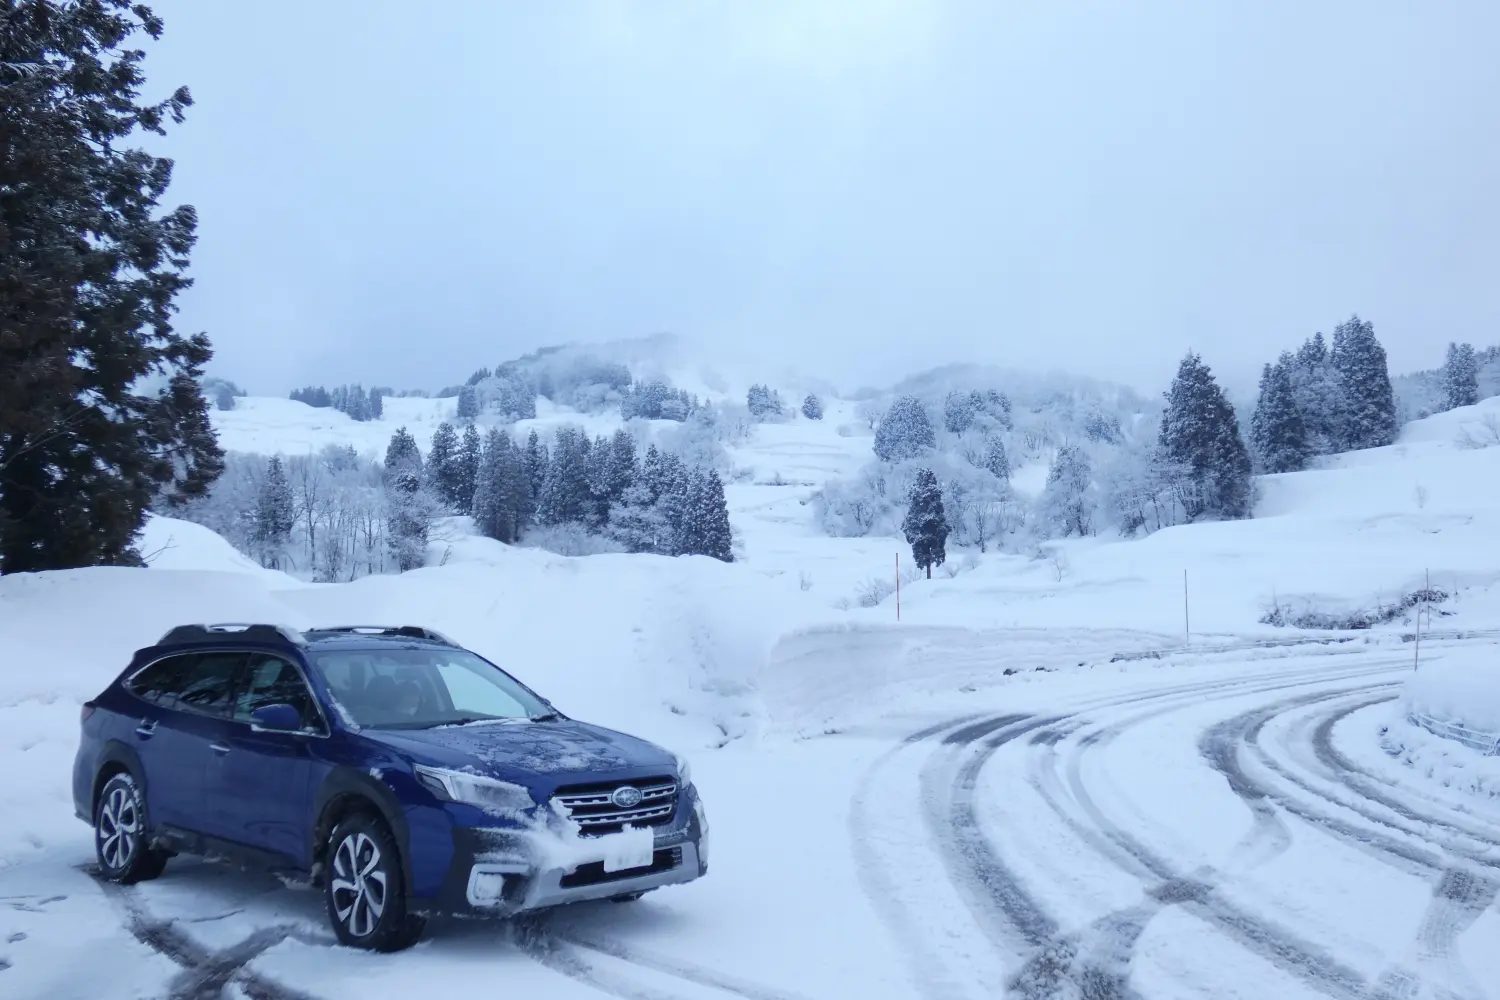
(241, 630)
(408, 631)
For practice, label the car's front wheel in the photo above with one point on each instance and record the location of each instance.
(364, 888)
(120, 834)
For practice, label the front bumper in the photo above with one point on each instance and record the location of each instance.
(494, 872)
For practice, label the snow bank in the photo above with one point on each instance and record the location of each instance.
(1463, 692)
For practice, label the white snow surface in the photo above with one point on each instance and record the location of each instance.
(1033, 782)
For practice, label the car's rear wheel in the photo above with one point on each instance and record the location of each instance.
(364, 888)
(121, 837)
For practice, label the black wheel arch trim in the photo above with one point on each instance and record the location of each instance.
(115, 752)
(348, 782)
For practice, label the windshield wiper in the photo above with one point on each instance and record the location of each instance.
(549, 716)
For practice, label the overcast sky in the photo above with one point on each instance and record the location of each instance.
(398, 193)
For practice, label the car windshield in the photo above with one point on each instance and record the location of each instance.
(405, 688)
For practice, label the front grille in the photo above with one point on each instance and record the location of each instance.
(593, 808)
(593, 874)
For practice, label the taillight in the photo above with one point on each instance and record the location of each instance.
(88, 710)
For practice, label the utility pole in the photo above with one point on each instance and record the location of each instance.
(898, 585)
(1187, 624)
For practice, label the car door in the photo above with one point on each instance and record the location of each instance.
(188, 697)
(262, 787)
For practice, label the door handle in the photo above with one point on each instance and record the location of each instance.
(218, 748)
(146, 729)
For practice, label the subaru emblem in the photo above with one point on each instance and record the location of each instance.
(626, 797)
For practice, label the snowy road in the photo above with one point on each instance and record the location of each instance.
(1222, 829)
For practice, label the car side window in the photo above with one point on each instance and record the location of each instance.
(163, 681)
(210, 684)
(270, 680)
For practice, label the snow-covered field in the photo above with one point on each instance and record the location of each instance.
(1025, 785)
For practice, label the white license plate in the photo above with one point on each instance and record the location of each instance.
(630, 851)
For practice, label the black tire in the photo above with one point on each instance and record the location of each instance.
(122, 837)
(364, 888)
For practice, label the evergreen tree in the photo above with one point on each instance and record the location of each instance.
(1369, 401)
(444, 468)
(959, 409)
(468, 403)
(904, 432)
(1460, 376)
(715, 537)
(812, 407)
(926, 525)
(1067, 503)
(565, 490)
(90, 268)
(402, 454)
(274, 514)
(1320, 396)
(995, 459)
(1199, 431)
(1276, 430)
(467, 461)
(536, 460)
(488, 508)
(672, 492)
(636, 521)
(409, 506)
(763, 402)
(377, 404)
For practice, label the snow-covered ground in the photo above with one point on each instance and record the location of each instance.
(1025, 785)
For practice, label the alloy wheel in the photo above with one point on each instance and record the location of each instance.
(359, 884)
(119, 827)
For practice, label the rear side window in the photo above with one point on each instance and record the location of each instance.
(210, 684)
(163, 681)
(271, 680)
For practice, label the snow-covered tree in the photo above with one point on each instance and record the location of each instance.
(536, 461)
(1369, 401)
(812, 407)
(409, 505)
(715, 537)
(1460, 376)
(468, 403)
(1066, 505)
(470, 451)
(1277, 433)
(274, 514)
(514, 394)
(994, 459)
(445, 472)
(763, 402)
(502, 496)
(1320, 396)
(926, 524)
(1200, 432)
(959, 409)
(565, 497)
(905, 431)
(636, 520)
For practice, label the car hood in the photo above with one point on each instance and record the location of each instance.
(549, 754)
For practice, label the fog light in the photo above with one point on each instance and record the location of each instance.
(487, 884)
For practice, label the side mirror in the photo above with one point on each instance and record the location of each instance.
(276, 719)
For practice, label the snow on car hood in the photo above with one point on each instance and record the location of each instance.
(561, 750)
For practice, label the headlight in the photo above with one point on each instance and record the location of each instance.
(684, 770)
(486, 793)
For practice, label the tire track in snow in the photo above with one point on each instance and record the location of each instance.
(1105, 967)
(1458, 901)
(205, 972)
(929, 972)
